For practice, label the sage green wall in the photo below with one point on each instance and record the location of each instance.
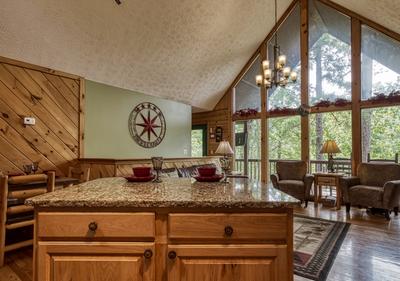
(106, 124)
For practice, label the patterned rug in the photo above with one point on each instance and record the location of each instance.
(316, 244)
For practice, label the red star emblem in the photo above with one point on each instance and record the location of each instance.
(148, 125)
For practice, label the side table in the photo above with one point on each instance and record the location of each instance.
(327, 179)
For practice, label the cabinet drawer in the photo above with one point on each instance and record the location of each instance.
(326, 180)
(96, 225)
(228, 227)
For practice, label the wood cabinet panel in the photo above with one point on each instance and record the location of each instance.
(214, 226)
(108, 225)
(227, 263)
(66, 261)
(99, 268)
(187, 246)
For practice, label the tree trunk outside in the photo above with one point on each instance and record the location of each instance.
(318, 117)
(366, 116)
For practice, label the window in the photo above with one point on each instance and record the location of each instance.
(247, 93)
(289, 42)
(284, 138)
(335, 126)
(380, 63)
(240, 145)
(248, 153)
(329, 54)
(199, 140)
(380, 132)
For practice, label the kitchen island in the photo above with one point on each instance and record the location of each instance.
(181, 230)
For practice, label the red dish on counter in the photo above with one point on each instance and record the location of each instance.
(213, 178)
(140, 179)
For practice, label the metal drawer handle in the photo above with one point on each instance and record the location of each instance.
(148, 254)
(228, 230)
(92, 226)
(171, 255)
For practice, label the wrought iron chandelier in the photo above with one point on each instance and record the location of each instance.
(280, 75)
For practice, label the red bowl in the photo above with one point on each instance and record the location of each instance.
(206, 171)
(141, 171)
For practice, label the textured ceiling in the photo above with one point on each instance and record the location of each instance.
(384, 12)
(185, 50)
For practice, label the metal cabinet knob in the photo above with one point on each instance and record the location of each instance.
(228, 230)
(148, 254)
(92, 226)
(171, 255)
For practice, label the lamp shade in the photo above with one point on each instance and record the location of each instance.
(224, 148)
(329, 147)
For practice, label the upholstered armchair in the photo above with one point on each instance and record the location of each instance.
(377, 186)
(292, 178)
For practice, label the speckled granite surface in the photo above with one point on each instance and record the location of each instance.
(171, 193)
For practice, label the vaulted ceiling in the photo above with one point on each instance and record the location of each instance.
(185, 50)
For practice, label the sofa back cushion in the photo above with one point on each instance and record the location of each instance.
(291, 170)
(169, 173)
(377, 174)
(191, 171)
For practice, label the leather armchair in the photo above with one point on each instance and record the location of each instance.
(377, 186)
(292, 178)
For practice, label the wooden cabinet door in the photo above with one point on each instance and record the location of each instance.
(228, 263)
(95, 261)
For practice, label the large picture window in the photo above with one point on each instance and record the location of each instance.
(289, 42)
(329, 54)
(330, 88)
(330, 126)
(247, 93)
(380, 68)
(380, 132)
(284, 138)
(248, 147)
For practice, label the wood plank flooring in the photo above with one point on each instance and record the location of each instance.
(371, 250)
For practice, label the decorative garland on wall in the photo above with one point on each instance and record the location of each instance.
(283, 111)
(246, 112)
(336, 102)
(394, 96)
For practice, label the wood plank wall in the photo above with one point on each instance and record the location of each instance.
(221, 116)
(55, 99)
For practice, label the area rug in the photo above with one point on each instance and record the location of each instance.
(316, 244)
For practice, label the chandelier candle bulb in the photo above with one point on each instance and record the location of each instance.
(282, 60)
(265, 64)
(293, 76)
(259, 80)
(267, 74)
(286, 71)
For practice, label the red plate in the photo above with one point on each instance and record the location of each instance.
(213, 178)
(140, 179)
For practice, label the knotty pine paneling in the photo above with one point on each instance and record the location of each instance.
(221, 116)
(54, 99)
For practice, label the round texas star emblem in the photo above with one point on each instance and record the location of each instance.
(147, 125)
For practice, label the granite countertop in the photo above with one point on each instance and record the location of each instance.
(171, 193)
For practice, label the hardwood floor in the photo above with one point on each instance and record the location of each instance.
(371, 250)
(18, 266)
